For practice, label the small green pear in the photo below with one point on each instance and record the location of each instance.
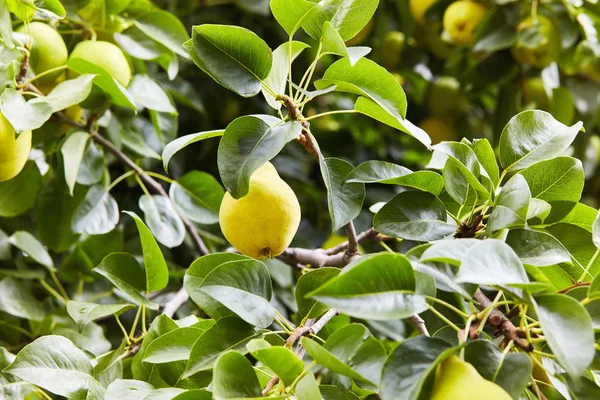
(456, 379)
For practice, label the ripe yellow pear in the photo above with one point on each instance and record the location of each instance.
(462, 19)
(418, 8)
(13, 152)
(438, 129)
(456, 379)
(48, 51)
(543, 54)
(263, 223)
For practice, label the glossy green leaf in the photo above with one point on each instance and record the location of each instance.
(492, 262)
(233, 56)
(325, 358)
(162, 220)
(282, 361)
(248, 143)
(70, 93)
(72, 152)
(157, 272)
(97, 214)
(580, 246)
(348, 17)
(224, 284)
(345, 200)
(124, 271)
(128, 389)
(415, 216)
(18, 300)
(308, 388)
(83, 312)
(182, 142)
(145, 371)
(485, 154)
(278, 76)
(379, 286)
(53, 363)
(18, 195)
(388, 173)
(228, 333)
(562, 318)
(165, 28)
(197, 195)
(147, 93)
(511, 205)
(559, 180)
(29, 245)
(537, 248)
(308, 307)
(462, 185)
(291, 13)
(534, 136)
(234, 378)
(408, 366)
(172, 346)
(369, 359)
(24, 115)
(449, 251)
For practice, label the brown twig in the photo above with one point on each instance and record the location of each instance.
(498, 320)
(573, 286)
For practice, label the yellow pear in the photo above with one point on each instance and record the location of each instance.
(462, 19)
(438, 129)
(48, 51)
(106, 55)
(456, 379)
(418, 8)
(263, 223)
(13, 152)
(547, 51)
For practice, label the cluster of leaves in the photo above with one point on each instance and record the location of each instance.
(481, 219)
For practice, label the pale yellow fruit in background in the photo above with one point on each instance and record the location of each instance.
(13, 152)
(445, 99)
(263, 223)
(48, 51)
(418, 8)
(462, 19)
(544, 54)
(106, 55)
(456, 379)
(438, 129)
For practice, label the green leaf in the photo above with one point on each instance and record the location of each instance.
(562, 318)
(307, 307)
(83, 313)
(492, 262)
(98, 214)
(149, 94)
(104, 80)
(228, 333)
(29, 245)
(197, 195)
(22, 115)
(194, 394)
(511, 205)
(234, 378)
(537, 248)
(54, 211)
(124, 271)
(224, 284)
(291, 13)
(534, 136)
(278, 76)
(233, 56)
(72, 152)
(53, 363)
(558, 181)
(307, 388)
(448, 251)
(372, 81)
(582, 216)
(332, 42)
(345, 200)
(165, 28)
(17, 300)
(248, 143)
(462, 185)
(162, 219)
(18, 194)
(184, 141)
(596, 231)
(369, 359)
(408, 366)
(128, 389)
(580, 246)
(485, 154)
(379, 287)
(144, 371)
(70, 93)
(511, 371)
(416, 216)
(282, 361)
(392, 174)
(328, 360)
(348, 17)
(157, 272)
(372, 109)
(172, 346)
